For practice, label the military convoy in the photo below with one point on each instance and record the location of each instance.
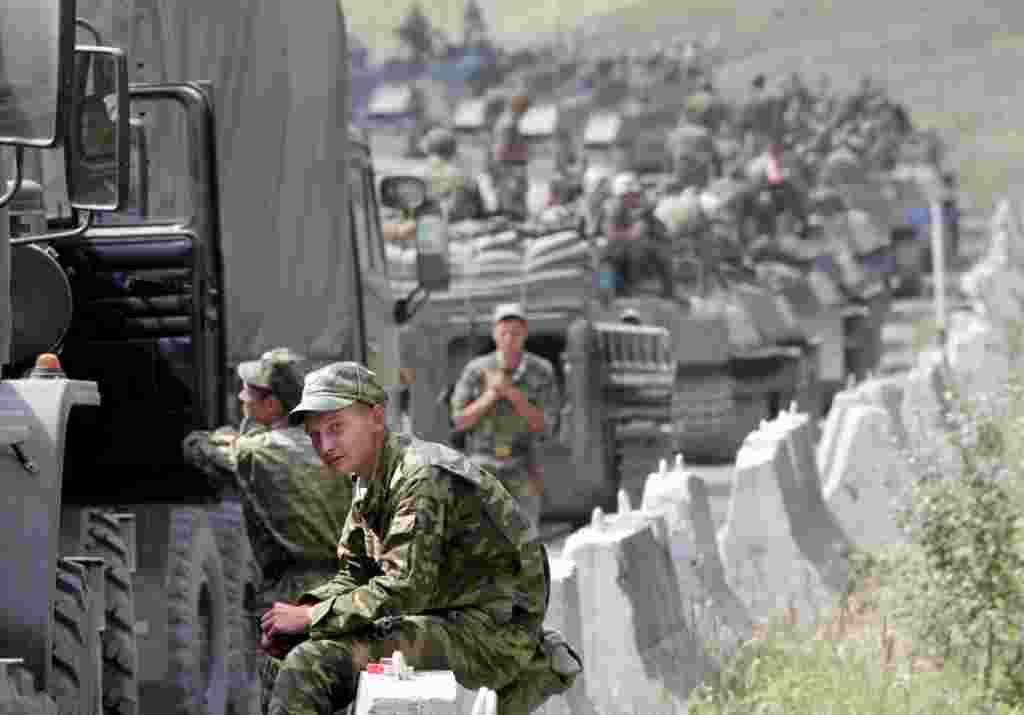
(748, 341)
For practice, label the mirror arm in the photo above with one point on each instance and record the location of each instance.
(19, 160)
(407, 307)
(84, 223)
(82, 22)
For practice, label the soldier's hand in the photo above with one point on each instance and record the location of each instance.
(494, 380)
(285, 619)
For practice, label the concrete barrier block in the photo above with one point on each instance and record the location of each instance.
(763, 563)
(680, 498)
(869, 474)
(825, 453)
(564, 616)
(727, 618)
(883, 392)
(815, 528)
(925, 413)
(979, 358)
(887, 393)
(665, 497)
(641, 655)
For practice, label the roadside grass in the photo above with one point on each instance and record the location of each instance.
(859, 657)
(929, 626)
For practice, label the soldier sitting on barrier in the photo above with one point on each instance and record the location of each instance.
(293, 515)
(436, 560)
(505, 402)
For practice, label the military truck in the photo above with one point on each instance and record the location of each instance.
(247, 220)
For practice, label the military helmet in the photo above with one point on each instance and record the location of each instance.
(594, 178)
(440, 141)
(625, 183)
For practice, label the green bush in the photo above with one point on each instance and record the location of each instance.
(792, 673)
(955, 590)
(960, 585)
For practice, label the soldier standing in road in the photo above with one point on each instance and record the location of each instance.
(436, 560)
(505, 402)
(294, 512)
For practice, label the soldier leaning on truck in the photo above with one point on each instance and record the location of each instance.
(505, 402)
(294, 512)
(436, 560)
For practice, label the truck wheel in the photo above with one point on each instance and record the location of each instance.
(120, 654)
(23, 698)
(228, 522)
(69, 657)
(197, 616)
(246, 686)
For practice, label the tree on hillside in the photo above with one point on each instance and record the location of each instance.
(474, 27)
(417, 34)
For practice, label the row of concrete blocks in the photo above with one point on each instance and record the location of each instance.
(655, 596)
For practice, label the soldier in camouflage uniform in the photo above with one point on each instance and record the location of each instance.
(505, 402)
(436, 561)
(510, 157)
(294, 512)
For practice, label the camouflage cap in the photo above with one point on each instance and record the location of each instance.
(279, 371)
(505, 311)
(337, 386)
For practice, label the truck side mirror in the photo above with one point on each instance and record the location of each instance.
(36, 60)
(98, 148)
(404, 193)
(409, 194)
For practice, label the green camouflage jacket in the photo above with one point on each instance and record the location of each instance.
(294, 507)
(431, 532)
(501, 437)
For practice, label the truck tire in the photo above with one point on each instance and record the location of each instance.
(69, 657)
(228, 522)
(197, 616)
(120, 652)
(246, 692)
(22, 697)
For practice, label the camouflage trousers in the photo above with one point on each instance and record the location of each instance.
(319, 677)
(286, 587)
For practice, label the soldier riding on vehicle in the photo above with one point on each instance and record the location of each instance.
(510, 157)
(635, 244)
(448, 183)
